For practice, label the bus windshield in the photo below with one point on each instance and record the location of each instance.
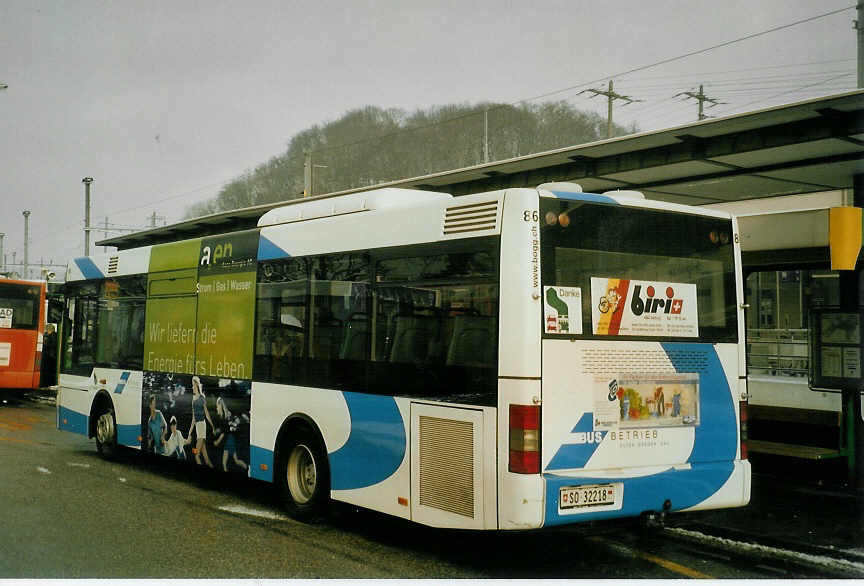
(636, 273)
(19, 306)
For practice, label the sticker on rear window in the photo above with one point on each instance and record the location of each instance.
(562, 310)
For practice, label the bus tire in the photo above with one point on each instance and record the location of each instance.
(303, 474)
(106, 432)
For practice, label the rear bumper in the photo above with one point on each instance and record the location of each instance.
(11, 379)
(711, 485)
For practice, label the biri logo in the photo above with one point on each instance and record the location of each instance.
(652, 304)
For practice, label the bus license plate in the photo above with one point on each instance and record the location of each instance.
(587, 495)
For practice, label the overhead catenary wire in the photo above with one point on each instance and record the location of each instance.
(618, 75)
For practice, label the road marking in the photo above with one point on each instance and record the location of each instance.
(43, 470)
(15, 440)
(264, 514)
(77, 465)
(662, 562)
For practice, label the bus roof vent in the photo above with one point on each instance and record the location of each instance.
(565, 186)
(627, 194)
(322, 207)
(471, 217)
(113, 263)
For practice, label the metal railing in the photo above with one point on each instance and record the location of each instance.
(778, 352)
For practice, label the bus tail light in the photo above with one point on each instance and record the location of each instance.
(525, 439)
(742, 410)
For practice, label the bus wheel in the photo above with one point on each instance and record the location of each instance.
(303, 475)
(106, 433)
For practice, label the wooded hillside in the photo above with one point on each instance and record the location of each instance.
(372, 145)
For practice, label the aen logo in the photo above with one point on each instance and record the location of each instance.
(220, 252)
(652, 304)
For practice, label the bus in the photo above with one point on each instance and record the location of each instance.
(506, 360)
(22, 331)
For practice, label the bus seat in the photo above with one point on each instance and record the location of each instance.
(472, 342)
(414, 339)
(354, 343)
(324, 339)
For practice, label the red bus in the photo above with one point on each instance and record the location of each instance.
(22, 327)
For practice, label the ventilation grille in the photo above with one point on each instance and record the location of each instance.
(112, 264)
(447, 465)
(471, 217)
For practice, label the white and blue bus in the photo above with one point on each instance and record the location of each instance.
(507, 360)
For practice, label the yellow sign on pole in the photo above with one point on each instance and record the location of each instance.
(844, 237)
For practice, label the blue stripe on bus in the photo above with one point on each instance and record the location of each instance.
(376, 445)
(127, 435)
(683, 489)
(592, 197)
(259, 457)
(577, 455)
(69, 420)
(121, 384)
(88, 268)
(269, 251)
(717, 432)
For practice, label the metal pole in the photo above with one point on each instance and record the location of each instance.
(609, 114)
(105, 234)
(26, 214)
(485, 136)
(2, 256)
(307, 173)
(87, 181)
(859, 26)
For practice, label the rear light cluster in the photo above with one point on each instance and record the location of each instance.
(525, 439)
(742, 410)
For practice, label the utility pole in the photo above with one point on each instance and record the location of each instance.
(26, 214)
(105, 234)
(486, 135)
(611, 96)
(859, 26)
(701, 98)
(87, 181)
(2, 256)
(307, 173)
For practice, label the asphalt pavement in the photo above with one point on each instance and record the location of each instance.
(802, 506)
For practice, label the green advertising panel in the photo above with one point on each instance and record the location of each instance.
(169, 340)
(226, 305)
(170, 332)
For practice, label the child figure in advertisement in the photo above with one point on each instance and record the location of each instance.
(676, 403)
(156, 427)
(200, 417)
(174, 446)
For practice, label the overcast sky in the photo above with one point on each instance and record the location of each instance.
(161, 102)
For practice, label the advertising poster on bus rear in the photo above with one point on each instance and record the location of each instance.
(627, 307)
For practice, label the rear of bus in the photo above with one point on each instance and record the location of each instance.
(22, 306)
(642, 368)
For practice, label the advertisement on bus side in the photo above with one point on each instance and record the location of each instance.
(627, 307)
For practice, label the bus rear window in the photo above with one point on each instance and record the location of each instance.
(635, 273)
(22, 302)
